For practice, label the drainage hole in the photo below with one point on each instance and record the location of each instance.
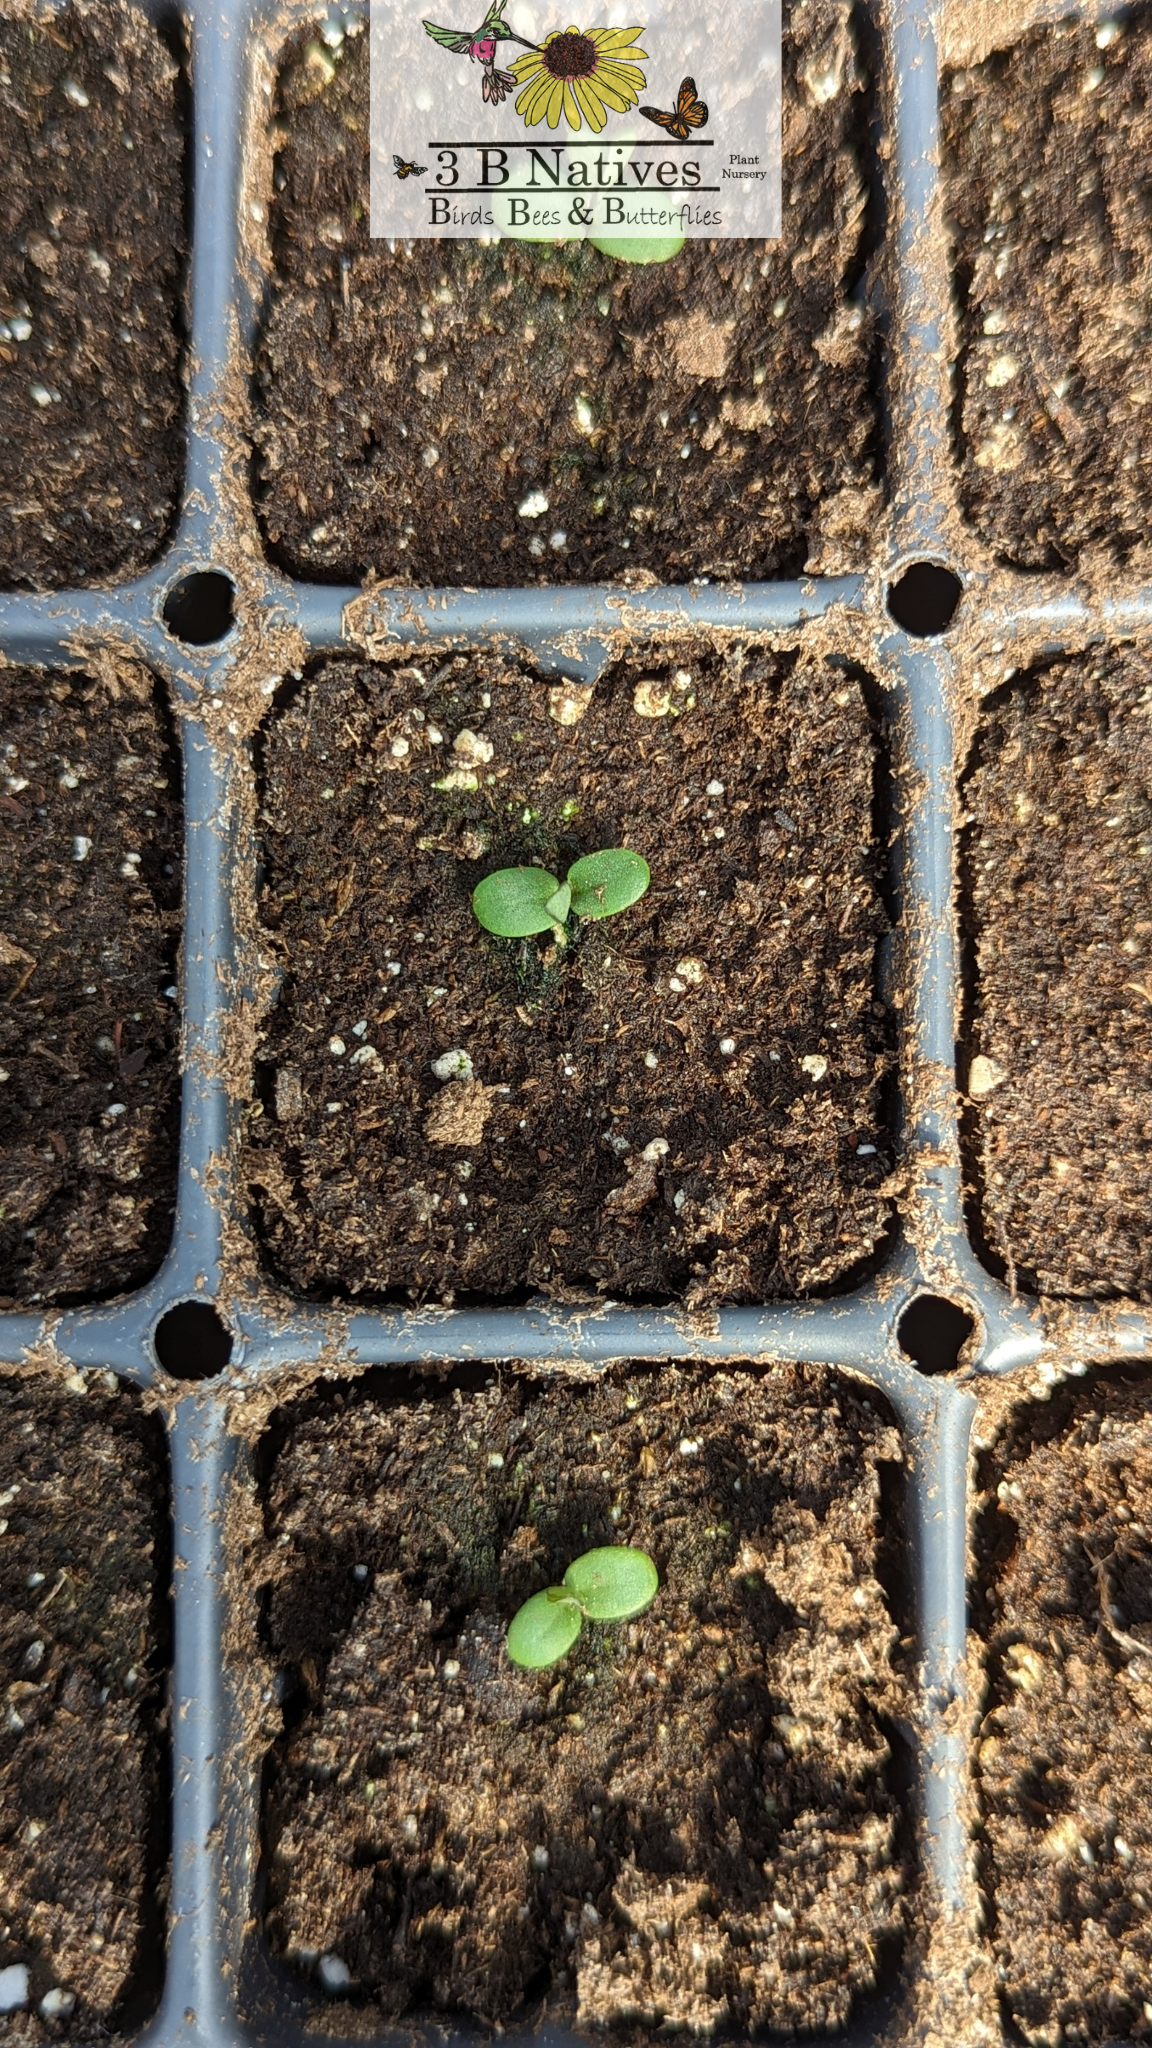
(933, 1332)
(192, 1341)
(199, 609)
(924, 599)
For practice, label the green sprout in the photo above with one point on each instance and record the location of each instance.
(622, 248)
(638, 248)
(611, 1584)
(515, 902)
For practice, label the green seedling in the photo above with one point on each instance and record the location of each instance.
(611, 1584)
(622, 248)
(515, 902)
(638, 248)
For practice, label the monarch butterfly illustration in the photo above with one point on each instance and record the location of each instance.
(690, 112)
(404, 170)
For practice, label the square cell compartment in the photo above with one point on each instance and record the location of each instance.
(91, 275)
(455, 413)
(695, 1819)
(90, 830)
(84, 1643)
(684, 1099)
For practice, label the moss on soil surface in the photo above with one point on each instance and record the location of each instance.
(91, 255)
(728, 1016)
(714, 415)
(691, 1820)
(1066, 1761)
(1047, 154)
(82, 1647)
(1059, 862)
(89, 1101)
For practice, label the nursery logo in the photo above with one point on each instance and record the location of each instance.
(533, 126)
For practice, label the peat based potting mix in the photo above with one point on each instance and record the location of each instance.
(575, 1022)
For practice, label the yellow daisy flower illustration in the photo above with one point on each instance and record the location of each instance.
(580, 76)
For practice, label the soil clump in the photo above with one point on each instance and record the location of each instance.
(681, 1098)
(690, 1821)
(1047, 149)
(83, 1642)
(92, 249)
(1060, 881)
(712, 416)
(1065, 1766)
(90, 820)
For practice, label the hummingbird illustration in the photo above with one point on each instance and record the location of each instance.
(480, 46)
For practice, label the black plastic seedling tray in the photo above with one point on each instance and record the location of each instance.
(245, 1339)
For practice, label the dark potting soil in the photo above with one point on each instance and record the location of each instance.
(714, 415)
(89, 920)
(1048, 166)
(1066, 1760)
(91, 254)
(690, 1820)
(83, 1643)
(684, 1098)
(1060, 875)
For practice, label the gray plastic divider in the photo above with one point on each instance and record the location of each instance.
(219, 1986)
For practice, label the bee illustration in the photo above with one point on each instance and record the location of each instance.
(690, 112)
(404, 170)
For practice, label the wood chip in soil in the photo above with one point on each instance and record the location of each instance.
(90, 819)
(83, 1645)
(1047, 149)
(1065, 1760)
(684, 1100)
(691, 1821)
(1059, 868)
(715, 415)
(92, 250)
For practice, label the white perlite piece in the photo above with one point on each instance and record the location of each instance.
(454, 1066)
(815, 1065)
(13, 1987)
(533, 505)
(567, 702)
(691, 969)
(650, 699)
(333, 1973)
(472, 746)
(983, 1076)
(57, 2004)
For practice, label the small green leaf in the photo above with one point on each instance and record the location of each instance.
(614, 1583)
(638, 248)
(514, 901)
(560, 904)
(603, 883)
(544, 1629)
